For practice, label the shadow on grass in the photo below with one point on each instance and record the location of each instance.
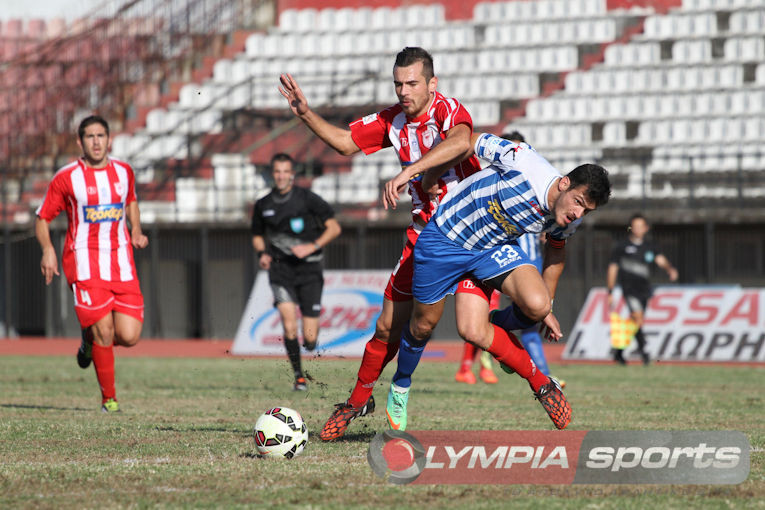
(357, 437)
(45, 408)
(203, 429)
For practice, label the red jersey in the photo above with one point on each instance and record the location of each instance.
(97, 243)
(413, 138)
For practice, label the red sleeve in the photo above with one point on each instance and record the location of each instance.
(55, 199)
(451, 113)
(370, 133)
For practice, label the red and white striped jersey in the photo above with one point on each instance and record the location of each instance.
(97, 245)
(412, 139)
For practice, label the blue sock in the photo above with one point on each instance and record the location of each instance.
(511, 318)
(409, 354)
(532, 342)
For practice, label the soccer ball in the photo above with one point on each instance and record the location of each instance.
(280, 432)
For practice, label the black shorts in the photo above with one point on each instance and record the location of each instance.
(636, 299)
(300, 283)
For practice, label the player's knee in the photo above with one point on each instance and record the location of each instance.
(471, 332)
(129, 340)
(104, 334)
(536, 308)
(290, 332)
(421, 328)
(310, 337)
(382, 330)
(127, 336)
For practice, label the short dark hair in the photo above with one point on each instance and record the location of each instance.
(281, 156)
(515, 136)
(637, 216)
(92, 119)
(413, 54)
(595, 177)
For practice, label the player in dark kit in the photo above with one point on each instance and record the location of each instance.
(290, 226)
(630, 266)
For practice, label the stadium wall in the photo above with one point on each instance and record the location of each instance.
(196, 279)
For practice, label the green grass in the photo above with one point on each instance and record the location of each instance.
(184, 438)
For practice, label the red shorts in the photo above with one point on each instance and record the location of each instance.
(399, 286)
(473, 286)
(93, 299)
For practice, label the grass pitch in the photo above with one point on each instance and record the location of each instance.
(184, 438)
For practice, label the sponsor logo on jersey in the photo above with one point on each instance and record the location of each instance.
(496, 212)
(102, 213)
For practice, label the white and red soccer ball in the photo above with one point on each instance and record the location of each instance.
(280, 432)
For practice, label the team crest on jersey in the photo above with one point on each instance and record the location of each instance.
(427, 139)
(297, 225)
(102, 213)
(119, 188)
(92, 190)
(649, 256)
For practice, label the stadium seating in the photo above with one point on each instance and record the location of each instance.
(342, 57)
(688, 90)
(684, 89)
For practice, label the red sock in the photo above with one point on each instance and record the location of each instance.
(504, 349)
(468, 355)
(377, 354)
(103, 361)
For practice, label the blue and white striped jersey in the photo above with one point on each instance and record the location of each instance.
(530, 245)
(503, 201)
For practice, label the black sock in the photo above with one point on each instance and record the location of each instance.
(293, 353)
(640, 341)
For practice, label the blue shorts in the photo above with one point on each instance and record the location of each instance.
(440, 263)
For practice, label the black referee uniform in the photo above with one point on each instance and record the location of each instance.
(634, 261)
(285, 221)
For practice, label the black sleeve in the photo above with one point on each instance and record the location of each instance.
(656, 252)
(256, 227)
(616, 254)
(319, 207)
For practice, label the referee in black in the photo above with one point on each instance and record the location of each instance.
(630, 267)
(290, 227)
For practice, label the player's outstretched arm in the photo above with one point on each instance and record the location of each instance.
(49, 261)
(338, 138)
